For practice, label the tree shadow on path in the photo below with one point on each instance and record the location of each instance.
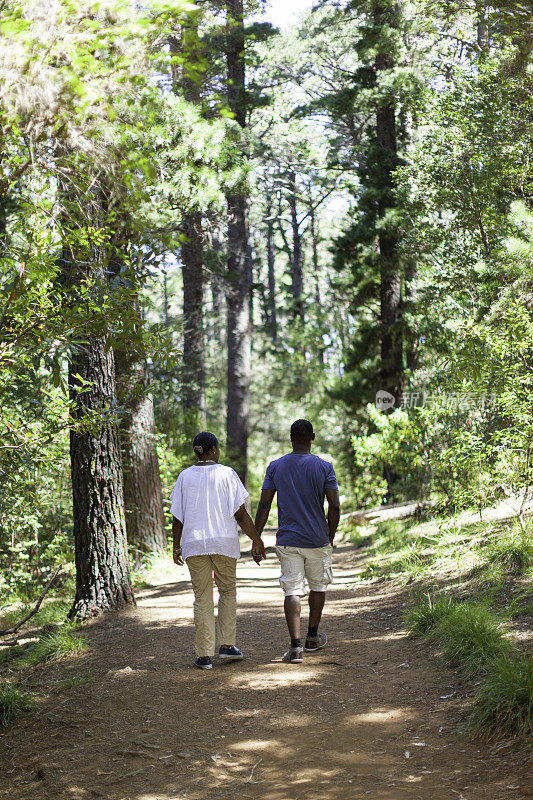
(373, 715)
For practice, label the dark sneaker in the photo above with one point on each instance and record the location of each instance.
(294, 655)
(203, 662)
(230, 653)
(317, 642)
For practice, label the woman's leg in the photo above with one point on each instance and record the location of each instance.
(201, 570)
(225, 569)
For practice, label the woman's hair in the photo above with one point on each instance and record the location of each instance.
(204, 442)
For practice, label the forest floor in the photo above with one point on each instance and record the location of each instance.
(375, 714)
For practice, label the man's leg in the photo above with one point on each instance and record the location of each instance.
(226, 581)
(316, 604)
(292, 581)
(293, 610)
(201, 570)
(319, 574)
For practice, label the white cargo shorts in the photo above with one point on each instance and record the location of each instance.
(301, 563)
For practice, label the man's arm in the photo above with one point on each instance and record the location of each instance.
(263, 509)
(177, 530)
(334, 512)
(245, 521)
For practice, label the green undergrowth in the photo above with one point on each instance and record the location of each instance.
(157, 568)
(470, 634)
(409, 551)
(473, 639)
(13, 703)
(53, 611)
(471, 592)
(53, 645)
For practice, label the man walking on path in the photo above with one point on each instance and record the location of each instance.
(304, 541)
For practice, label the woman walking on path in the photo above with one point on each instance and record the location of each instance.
(207, 502)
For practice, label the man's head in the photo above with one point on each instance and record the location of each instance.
(302, 434)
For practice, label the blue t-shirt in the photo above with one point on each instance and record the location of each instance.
(301, 480)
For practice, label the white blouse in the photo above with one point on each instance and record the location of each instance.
(204, 499)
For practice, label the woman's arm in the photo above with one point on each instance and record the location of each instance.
(245, 521)
(177, 530)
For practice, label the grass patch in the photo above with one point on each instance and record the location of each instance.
(53, 646)
(13, 703)
(473, 640)
(70, 682)
(423, 618)
(504, 702)
(521, 604)
(471, 635)
(9, 654)
(490, 553)
(512, 551)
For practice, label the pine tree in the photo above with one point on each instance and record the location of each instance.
(238, 281)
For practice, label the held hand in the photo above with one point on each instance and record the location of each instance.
(258, 551)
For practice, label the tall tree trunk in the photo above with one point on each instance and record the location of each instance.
(145, 521)
(250, 277)
(316, 275)
(216, 300)
(296, 261)
(101, 553)
(390, 268)
(193, 381)
(238, 308)
(273, 322)
(192, 251)
(239, 342)
(391, 371)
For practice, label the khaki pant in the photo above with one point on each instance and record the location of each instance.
(202, 569)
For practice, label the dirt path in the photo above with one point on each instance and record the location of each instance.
(374, 715)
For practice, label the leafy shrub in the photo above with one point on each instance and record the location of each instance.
(392, 439)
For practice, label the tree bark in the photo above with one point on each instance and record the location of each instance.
(145, 520)
(391, 372)
(239, 340)
(391, 350)
(238, 288)
(101, 553)
(192, 251)
(273, 322)
(143, 500)
(193, 373)
(316, 274)
(296, 261)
